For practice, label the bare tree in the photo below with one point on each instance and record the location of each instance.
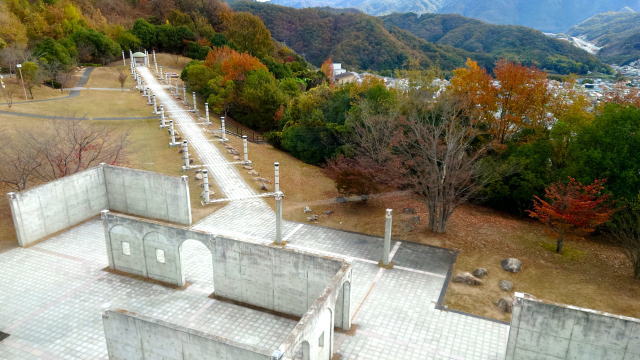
(8, 93)
(19, 163)
(626, 231)
(438, 154)
(69, 146)
(65, 78)
(122, 78)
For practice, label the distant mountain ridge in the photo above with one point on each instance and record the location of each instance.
(516, 43)
(402, 41)
(546, 15)
(617, 33)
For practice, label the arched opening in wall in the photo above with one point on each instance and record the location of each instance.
(197, 265)
(306, 351)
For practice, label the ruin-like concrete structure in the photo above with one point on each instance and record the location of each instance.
(314, 288)
(542, 330)
(46, 209)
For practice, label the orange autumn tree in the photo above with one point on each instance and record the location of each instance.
(475, 86)
(327, 70)
(232, 64)
(522, 96)
(572, 208)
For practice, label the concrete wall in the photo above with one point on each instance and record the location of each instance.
(47, 209)
(143, 240)
(148, 194)
(135, 337)
(281, 280)
(57, 205)
(548, 331)
(313, 335)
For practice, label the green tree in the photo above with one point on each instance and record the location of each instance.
(608, 148)
(222, 94)
(197, 75)
(249, 34)
(128, 41)
(32, 75)
(146, 32)
(258, 100)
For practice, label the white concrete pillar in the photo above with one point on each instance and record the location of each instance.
(206, 192)
(124, 60)
(223, 129)
(195, 105)
(388, 226)
(184, 94)
(107, 237)
(185, 155)
(278, 196)
(155, 105)
(149, 95)
(155, 61)
(172, 134)
(160, 75)
(162, 118)
(276, 181)
(206, 113)
(245, 148)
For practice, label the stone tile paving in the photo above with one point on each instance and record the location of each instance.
(52, 295)
(51, 303)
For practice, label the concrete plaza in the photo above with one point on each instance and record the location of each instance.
(52, 294)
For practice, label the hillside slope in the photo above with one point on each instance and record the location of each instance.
(517, 43)
(546, 15)
(372, 7)
(618, 33)
(357, 40)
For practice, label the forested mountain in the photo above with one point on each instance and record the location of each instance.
(545, 15)
(359, 41)
(398, 41)
(516, 43)
(372, 7)
(618, 33)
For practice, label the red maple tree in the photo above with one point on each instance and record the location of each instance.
(572, 208)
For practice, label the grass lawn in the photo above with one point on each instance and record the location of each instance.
(590, 274)
(147, 146)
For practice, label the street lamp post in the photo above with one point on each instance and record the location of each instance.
(19, 66)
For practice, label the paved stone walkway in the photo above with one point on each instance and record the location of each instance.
(57, 289)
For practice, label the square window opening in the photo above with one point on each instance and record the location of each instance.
(126, 248)
(160, 256)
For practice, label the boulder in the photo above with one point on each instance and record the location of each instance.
(480, 272)
(511, 265)
(328, 212)
(410, 211)
(467, 278)
(199, 176)
(407, 227)
(236, 157)
(313, 218)
(253, 173)
(341, 200)
(505, 304)
(505, 285)
(307, 210)
(247, 167)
